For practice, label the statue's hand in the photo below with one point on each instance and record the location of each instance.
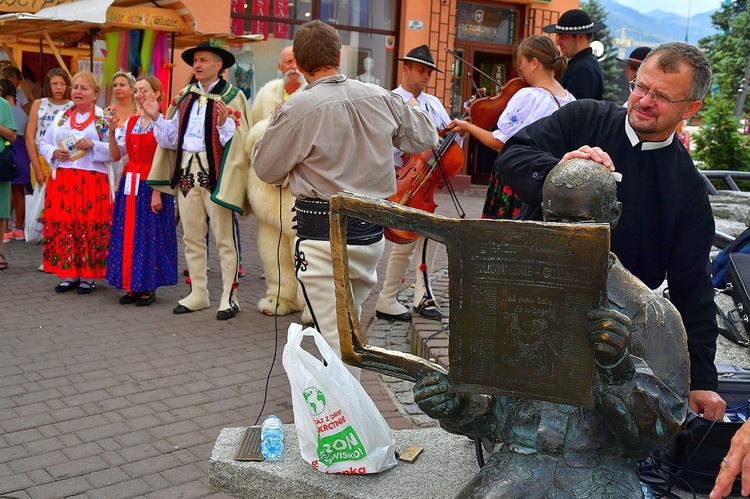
(609, 334)
(436, 396)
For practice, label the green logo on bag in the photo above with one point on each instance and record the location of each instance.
(315, 399)
(343, 446)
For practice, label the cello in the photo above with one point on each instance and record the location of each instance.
(420, 176)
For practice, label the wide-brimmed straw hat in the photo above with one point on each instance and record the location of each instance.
(576, 22)
(227, 58)
(421, 55)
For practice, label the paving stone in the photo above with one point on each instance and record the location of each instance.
(183, 474)
(150, 465)
(77, 467)
(22, 437)
(138, 453)
(15, 483)
(104, 478)
(38, 462)
(83, 451)
(60, 488)
(125, 490)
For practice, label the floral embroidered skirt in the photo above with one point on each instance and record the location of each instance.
(77, 215)
(500, 201)
(143, 244)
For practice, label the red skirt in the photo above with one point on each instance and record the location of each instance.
(77, 216)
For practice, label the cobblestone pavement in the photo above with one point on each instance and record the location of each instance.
(103, 400)
(99, 400)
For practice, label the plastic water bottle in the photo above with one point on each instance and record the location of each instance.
(272, 438)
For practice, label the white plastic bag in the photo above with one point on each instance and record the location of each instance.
(339, 428)
(32, 228)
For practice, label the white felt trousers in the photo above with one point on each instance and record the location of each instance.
(195, 209)
(314, 270)
(398, 264)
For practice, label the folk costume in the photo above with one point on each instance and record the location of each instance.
(143, 244)
(269, 97)
(205, 165)
(77, 204)
(283, 293)
(401, 256)
(583, 77)
(666, 228)
(336, 123)
(525, 107)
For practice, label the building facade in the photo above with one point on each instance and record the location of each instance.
(376, 33)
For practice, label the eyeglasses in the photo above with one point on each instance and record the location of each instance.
(640, 91)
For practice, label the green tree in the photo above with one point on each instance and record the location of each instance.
(728, 49)
(720, 143)
(598, 12)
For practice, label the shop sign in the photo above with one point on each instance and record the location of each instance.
(281, 30)
(260, 8)
(486, 24)
(145, 18)
(31, 6)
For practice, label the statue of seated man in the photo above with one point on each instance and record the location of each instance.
(641, 386)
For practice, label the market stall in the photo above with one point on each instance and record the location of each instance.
(139, 36)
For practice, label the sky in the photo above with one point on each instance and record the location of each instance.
(679, 7)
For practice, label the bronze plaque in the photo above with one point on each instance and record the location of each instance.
(518, 323)
(519, 295)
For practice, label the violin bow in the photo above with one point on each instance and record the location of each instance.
(499, 85)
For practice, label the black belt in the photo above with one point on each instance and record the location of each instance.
(313, 223)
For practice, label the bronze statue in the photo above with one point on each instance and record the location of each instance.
(640, 356)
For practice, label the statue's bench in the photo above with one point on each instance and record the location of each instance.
(447, 463)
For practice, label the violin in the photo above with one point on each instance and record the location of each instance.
(485, 111)
(419, 178)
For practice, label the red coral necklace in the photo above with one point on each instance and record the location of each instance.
(80, 126)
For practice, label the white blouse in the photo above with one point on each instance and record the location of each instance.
(525, 107)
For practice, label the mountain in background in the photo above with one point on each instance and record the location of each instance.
(656, 26)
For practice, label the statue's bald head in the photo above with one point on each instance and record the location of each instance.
(580, 190)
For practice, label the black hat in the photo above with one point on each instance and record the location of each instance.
(217, 47)
(576, 22)
(421, 55)
(637, 56)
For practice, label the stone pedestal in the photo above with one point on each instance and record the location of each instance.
(447, 463)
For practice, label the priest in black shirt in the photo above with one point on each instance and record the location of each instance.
(667, 227)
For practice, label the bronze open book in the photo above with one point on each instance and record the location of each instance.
(519, 292)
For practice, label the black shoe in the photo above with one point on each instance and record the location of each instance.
(428, 309)
(405, 317)
(66, 286)
(224, 315)
(86, 288)
(146, 299)
(128, 299)
(181, 309)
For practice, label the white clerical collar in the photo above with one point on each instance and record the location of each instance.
(645, 146)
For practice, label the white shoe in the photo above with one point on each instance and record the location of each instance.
(41, 267)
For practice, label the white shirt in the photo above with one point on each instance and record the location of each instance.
(166, 131)
(434, 108)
